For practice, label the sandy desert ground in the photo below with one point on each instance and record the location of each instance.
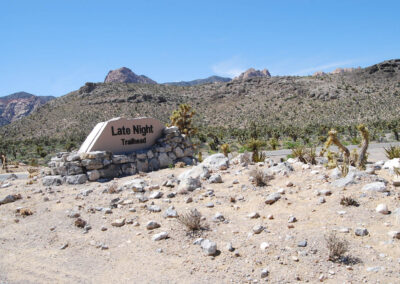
(47, 247)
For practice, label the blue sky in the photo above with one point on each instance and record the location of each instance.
(53, 47)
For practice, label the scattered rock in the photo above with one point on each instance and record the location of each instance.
(154, 208)
(375, 186)
(302, 244)
(156, 195)
(361, 232)
(170, 212)
(209, 247)
(151, 225)
(382, 208)
(118, 222)
(264, 246)
(10, 198)
(272, 198)
(160, 236)
(218, 217)
(258, 229)
(215, 178)
(264, 273)
(253, 215)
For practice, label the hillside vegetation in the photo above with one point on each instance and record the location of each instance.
(287, 106)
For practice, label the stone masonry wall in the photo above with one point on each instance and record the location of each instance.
(77, 168)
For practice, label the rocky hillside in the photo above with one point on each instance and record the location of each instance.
(125, 75)
(286, 104)
(19, 105)
(211, 79)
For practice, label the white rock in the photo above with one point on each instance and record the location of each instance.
(160, 236)
(156, 195)
(391, 164)
(216, 162)
(170, 213)
(258, 229)
(375, 186)
(382, 208)
(215, 178)
(253, 215)
(264, 246)
(118, 222)
(209, 247)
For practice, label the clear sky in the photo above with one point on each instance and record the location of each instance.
(52, 47)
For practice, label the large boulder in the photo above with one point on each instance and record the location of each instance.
(76, 179)
(52, 180)
(391, 164)
(196, 172)
(375, 186)
(189, 184)
(216, 162)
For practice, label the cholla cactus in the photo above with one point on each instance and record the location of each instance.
(362, 157)
(182, 118)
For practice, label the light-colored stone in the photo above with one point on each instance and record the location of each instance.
(216, 162)
(209, 247)
(118, 222)
(160, 236)
(215, 178)
(272, 198)
(382, 208)
(375, 186)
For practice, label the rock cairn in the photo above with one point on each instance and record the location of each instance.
(77, 168)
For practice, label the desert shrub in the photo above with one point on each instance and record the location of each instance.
(200, 157)
(69, 146)
(305, 155)
(337, 247)
(25, 212)
(348, 201)
(260, 178)
(192, 220)
(392, 152)
(182, 118)
(225, 149)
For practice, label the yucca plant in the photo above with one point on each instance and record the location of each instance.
(392, 152)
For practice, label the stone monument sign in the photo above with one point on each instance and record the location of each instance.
(122, 135)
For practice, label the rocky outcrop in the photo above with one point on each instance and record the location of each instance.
(251, 73)
(75, 168)
(344, 70)
(125, 75)
(19, 105)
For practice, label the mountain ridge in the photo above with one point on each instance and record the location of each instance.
(18, 105)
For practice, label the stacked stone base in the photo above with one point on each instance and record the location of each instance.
(77, 168)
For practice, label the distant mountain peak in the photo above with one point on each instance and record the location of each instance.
(126, 75)
(251, 73)
(211, 79)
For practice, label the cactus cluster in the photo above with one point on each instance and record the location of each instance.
(358, 159)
